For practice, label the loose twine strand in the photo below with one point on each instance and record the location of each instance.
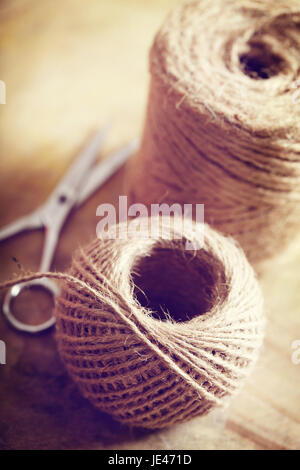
(150, 371)
(223, 120)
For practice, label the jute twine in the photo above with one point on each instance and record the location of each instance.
(154, 333)
(223, 118)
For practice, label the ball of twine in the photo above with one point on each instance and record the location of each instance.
(155, 334)
(223, 119)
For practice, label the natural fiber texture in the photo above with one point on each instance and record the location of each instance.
(223, 119)
(155, 334)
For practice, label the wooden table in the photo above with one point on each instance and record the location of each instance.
(68, 67)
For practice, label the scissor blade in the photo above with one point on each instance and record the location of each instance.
(104, 170)
(28, 222)
(80, 168)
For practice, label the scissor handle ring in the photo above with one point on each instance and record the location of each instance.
(44, 282)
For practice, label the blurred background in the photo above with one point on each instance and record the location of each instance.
(69, 67)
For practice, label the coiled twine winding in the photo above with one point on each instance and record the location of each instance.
(222, 125)
(155, 334)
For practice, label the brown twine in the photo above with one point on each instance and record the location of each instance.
(153, 333)
(223, 118)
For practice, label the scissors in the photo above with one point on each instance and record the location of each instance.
(80, 181)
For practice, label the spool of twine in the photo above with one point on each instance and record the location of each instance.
(223, 119)
(155, 334)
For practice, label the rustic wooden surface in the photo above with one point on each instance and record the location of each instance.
(68, 66)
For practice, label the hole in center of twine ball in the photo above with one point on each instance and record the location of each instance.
(179, 284)
(260, 62)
